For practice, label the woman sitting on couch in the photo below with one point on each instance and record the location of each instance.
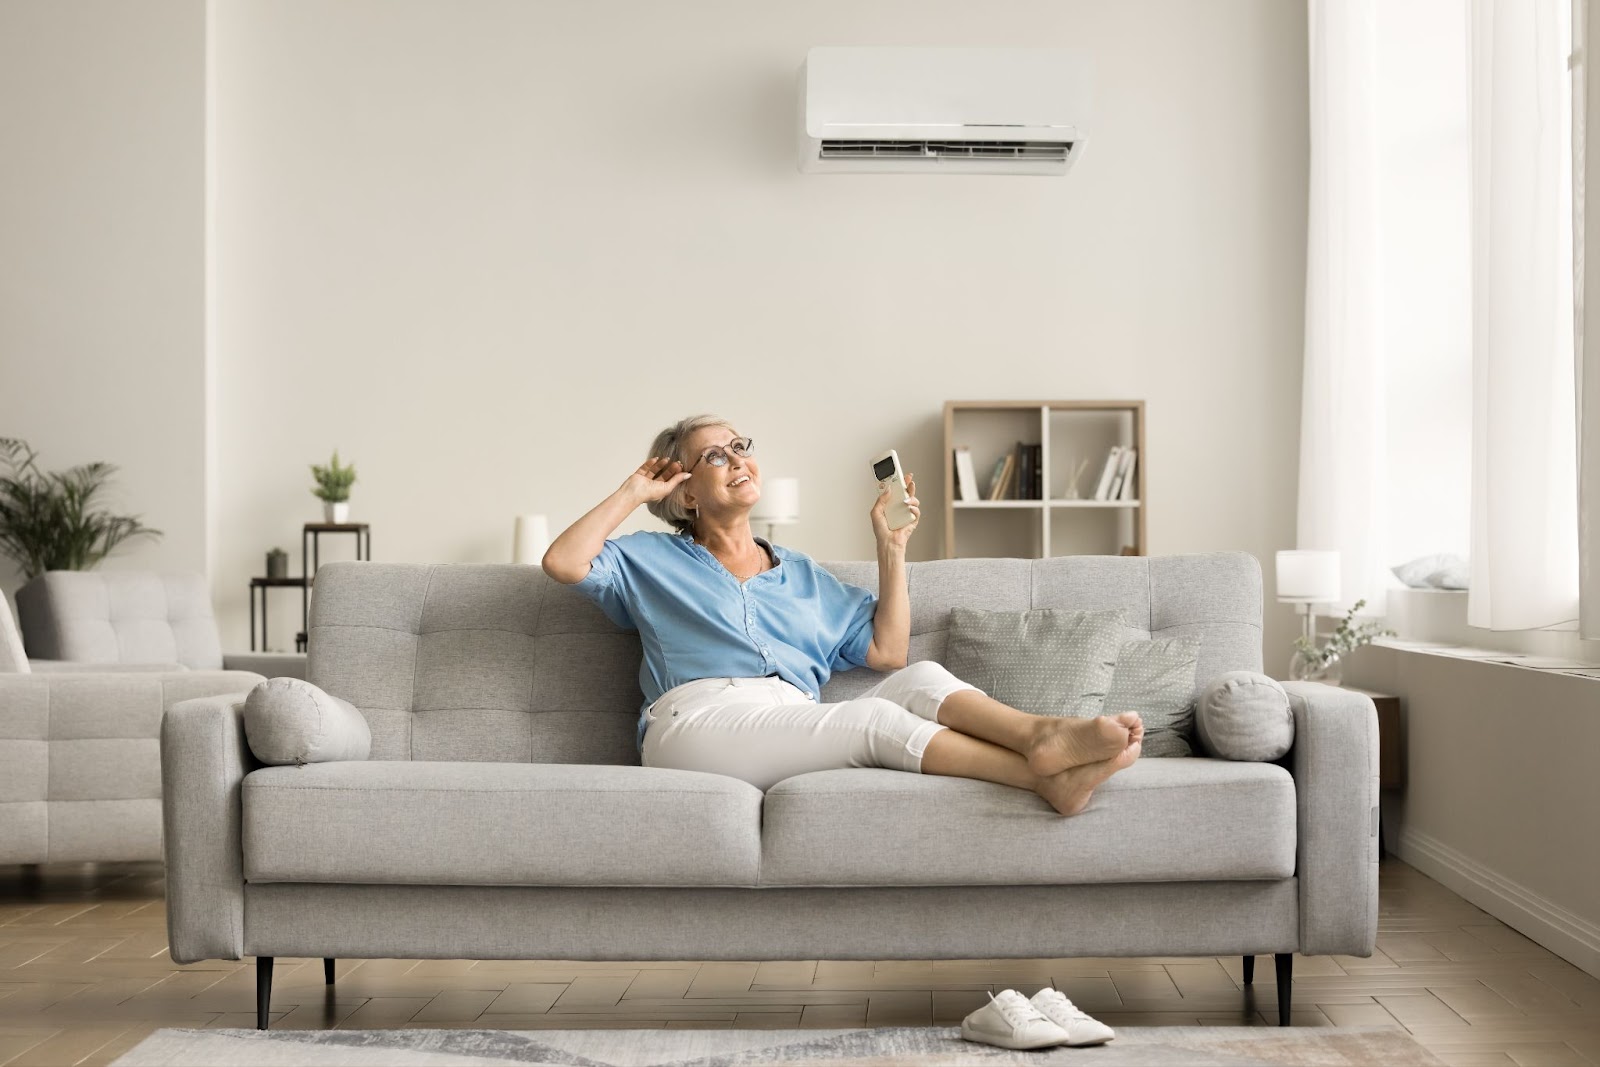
(740, 636)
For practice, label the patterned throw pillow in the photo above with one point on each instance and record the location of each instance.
(1156, 679)
(1047, 661)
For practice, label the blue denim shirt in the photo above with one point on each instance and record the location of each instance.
(696, 620)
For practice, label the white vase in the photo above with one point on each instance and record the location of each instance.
(338, 513)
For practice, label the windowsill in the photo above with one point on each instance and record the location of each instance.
(1434, 621)
(1580, 668)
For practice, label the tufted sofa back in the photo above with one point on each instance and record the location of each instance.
(120, 617)
(490, 661)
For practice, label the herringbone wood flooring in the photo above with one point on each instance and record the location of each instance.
(84, 975)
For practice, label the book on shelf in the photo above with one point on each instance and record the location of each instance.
(1132, 464)
(966, 480)
(1108, 473)
(1024, 489)
(1002, 483)
(993, 485)
(1038, 471)
(1121, 477)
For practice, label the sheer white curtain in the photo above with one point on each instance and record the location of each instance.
(1586, 109)
(1343, 499)
(1524, 474)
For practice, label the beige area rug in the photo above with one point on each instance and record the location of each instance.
(1189, 1046)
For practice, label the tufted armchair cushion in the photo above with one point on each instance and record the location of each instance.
(120, 617)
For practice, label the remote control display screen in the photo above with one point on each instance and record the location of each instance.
(882, 469)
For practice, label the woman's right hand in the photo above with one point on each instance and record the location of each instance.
(655, 479)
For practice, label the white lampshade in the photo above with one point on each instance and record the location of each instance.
(531, 539)
(1308, 577)
(779, 503)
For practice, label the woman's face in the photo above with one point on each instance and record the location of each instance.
(733, 487)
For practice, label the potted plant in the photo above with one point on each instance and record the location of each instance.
(333, 488)
(1326, 664)
(48, 521)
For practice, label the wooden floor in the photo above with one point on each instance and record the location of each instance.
(84, 975)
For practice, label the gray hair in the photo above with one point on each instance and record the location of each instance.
(670, 443)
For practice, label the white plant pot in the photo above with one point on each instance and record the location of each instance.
(335, 512)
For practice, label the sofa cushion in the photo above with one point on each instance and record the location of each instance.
(1160, 820)
(1047, 661)
(1156, 679)
(1245, 715)
(289, 720)
(499, 824)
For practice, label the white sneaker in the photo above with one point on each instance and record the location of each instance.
(1010, 1021)
(1081, 1029)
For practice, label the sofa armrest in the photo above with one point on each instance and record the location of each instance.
(1335, 766)
(204, 758)
(75, 666)
(267, 664)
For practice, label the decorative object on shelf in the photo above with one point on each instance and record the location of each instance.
(530, 538)
(333, 489)
(779, 504)
(1325, 664)
(277, 563)
(1074, 478)
(47, 522)
(966, 478)
(1305, 579)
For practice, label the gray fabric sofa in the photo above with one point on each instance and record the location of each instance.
(80, 766)
(503, 813)
(133, 617)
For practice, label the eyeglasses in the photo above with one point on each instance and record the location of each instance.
(740, 446)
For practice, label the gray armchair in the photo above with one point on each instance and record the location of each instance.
(80, 759)
(129, 617)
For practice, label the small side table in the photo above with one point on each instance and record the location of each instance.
(264, 584)
(1391, 747)
(309, 550)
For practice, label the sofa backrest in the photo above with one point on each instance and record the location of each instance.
(498, 661)
(120, 617)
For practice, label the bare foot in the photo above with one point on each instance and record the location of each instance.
(1069, 791)
(1135, 725)
(1063, 741)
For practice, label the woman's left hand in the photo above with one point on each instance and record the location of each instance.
(880, 522)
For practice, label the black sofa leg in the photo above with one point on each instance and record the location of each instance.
(1249, 969)
(327, 970)
(1285, 962)
(263, 989)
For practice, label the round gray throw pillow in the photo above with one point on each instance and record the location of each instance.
(289, 720)
(1243, 715)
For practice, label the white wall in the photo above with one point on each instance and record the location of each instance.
(1501, 800)
(488, 249)
(102, 256)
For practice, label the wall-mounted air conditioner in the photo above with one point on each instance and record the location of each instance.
(913, 110)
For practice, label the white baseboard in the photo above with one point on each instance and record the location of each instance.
(1567, 934)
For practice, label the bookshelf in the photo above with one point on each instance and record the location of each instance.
(1070, 433)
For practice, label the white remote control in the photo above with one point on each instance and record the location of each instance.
(886, 468)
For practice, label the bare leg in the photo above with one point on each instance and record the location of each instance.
(958, 755)
(1049, 743)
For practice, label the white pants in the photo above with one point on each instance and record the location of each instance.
(764, 730)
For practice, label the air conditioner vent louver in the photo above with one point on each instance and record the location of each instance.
(1016, 151)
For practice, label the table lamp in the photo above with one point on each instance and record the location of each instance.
(1306, 579)
(779, 504)
(530, 539)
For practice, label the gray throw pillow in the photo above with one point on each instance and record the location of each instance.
(1243, 715)
(1047, 661)
(289, 720)
(1156, 679)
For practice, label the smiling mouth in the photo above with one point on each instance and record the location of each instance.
(739, 481)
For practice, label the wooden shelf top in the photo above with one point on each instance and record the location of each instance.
(333, 527)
